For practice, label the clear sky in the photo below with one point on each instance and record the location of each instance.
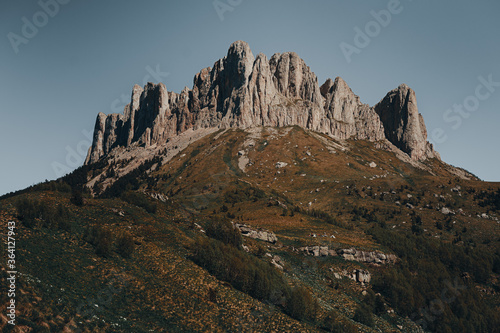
(63, 62)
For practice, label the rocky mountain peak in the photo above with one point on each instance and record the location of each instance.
(238, 64)
(242, 91)
(293, 78)
(403, 125)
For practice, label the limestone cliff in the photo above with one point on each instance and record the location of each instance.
(242, 91)
(404, 126)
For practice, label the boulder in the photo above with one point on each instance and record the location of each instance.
(281, 165)
(446, 211)
(363, 276)
(263, 235)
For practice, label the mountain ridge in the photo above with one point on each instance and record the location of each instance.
(243, 91)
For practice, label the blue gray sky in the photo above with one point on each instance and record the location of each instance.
(63, 61)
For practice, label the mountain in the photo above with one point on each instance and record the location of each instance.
(257, 201)
(243, 91)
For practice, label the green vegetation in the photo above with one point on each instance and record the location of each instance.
(132, 180)
(301, 305)
(489, 199)
(125, 245)
(427, 270)
(254, 277)
(332, 323)
(140, 200)
(77, 196)
(247, 193)
(35, 213)
(363, 315)
(224, 231)
(56, 185)
(101, 238)
(316, 213)
(245, 272)
(455, 255)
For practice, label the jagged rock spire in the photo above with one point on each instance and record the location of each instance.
(404, 126)
(243, 91)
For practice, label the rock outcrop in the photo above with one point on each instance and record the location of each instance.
(359, 275)
(264, 235)
(404, 126)
(373, 257)
(346, 117)
(351, 254)
(318, 251)
(243, 91)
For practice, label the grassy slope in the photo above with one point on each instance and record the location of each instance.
(160, 288)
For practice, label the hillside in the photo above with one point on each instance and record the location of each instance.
(357, 238)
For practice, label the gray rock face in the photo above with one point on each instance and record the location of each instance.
(293, 78)
(351, 254)
(264, 235)
(404, 125)
(367, 257)
(363, 276)
(345, 115)
(318, 251)
(359, 275)
(244, 91)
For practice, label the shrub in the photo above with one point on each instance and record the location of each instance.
(125, 245)
(301, 305)
(244, 194)
(322, 216)
(363, 315)
(56, 185)
(379, 306)
(63, 222)
(101, 238)
(332, 323)
(77, 196)
(28, 210)
(34, 213)
(417, 229)
(212, 295)
(139, 200)
(132, 180)
(224, 231)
